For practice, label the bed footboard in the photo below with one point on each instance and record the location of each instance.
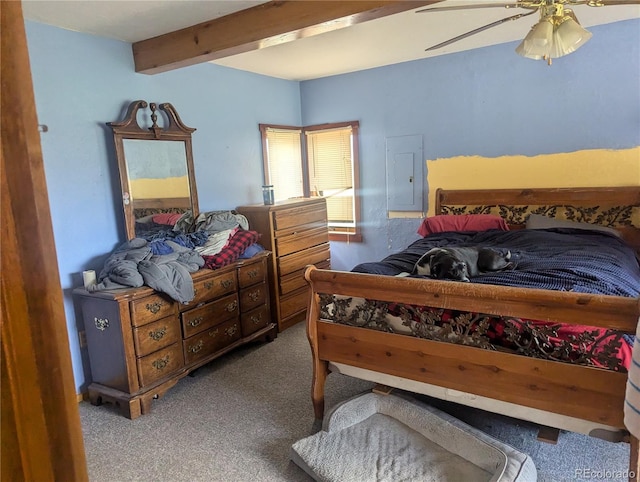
(582, 392)
(320, 366)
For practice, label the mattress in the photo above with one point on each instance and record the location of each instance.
(562, 259)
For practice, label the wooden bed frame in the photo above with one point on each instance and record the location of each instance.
(547, 387)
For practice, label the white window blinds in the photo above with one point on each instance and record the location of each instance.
(285, 168)
(329, 154)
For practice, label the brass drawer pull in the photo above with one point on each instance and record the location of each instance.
(213, 333)
(256, 319)
(226, 283)
(231, 330)
(158, 334)
(232, 306)
(154, 307)
(161, 363)
(254, 295)
(253, 273)
(208, 284)
(197, 347)
(196, 321)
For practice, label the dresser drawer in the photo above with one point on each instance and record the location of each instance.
(294, 302)
(253, 296)
(210, 341)
(210, 314)
(301, 259)
(154, 336)
(151, 308)
(213, 287)
(251, 274)
(295, 280)
(160, 364)
(298, 240)
(254, 320)
(296, 216)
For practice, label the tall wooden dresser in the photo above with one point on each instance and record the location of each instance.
(141, 342)
(296, 232)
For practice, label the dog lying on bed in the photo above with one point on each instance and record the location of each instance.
(462, 263)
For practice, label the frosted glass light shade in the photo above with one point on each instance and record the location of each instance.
(568, 37)
(552, 38)
(537, 43)
(522, 50)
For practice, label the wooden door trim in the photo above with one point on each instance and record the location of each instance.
(41, 433)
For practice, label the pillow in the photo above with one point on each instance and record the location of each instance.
(538, 221)
(169, 219)
(463, 222)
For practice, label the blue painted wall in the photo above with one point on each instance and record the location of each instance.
(487, 102)
(83, 81)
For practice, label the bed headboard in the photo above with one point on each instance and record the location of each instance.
(614, 207)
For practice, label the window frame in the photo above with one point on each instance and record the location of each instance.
(350, 234)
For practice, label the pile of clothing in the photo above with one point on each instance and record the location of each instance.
(169, 248)
(133, 264)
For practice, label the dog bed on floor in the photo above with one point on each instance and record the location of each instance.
(379, 438)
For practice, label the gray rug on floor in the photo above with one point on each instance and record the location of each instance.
(235, 421)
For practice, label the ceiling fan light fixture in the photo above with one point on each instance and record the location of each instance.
(557, 32)
(538, 41)
(554, 36)
(528, 53)
(568, 36)
(540, 34)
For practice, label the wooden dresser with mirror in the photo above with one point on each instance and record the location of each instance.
(140, 341)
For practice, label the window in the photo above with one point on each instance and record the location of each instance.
(317, 160)
(284, 152)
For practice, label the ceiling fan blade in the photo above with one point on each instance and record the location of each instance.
(466, 7)
(606, 3)
(480, 29)
(601, 3)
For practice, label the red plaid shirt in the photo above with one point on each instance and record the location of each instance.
(240, 241)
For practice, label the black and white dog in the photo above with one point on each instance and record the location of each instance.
(462, 263)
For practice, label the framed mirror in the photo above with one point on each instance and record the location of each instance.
(155, 163)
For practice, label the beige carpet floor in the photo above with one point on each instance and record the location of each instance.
(236, 419)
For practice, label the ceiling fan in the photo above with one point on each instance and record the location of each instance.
(557, 33)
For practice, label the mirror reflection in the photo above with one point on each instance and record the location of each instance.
(157, 172)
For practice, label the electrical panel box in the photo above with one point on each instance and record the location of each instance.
(405, 173)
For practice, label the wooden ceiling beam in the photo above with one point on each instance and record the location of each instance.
(264, 25)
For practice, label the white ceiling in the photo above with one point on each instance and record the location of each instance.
(397, 38)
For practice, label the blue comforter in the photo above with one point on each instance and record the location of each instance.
(562, 259)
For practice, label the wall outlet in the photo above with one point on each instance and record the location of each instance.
(82, 336)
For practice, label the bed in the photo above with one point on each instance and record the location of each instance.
(586, 396)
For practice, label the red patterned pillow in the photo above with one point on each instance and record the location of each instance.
(463, 222)
(166, 218)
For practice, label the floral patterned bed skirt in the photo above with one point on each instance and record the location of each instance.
(577, 344)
